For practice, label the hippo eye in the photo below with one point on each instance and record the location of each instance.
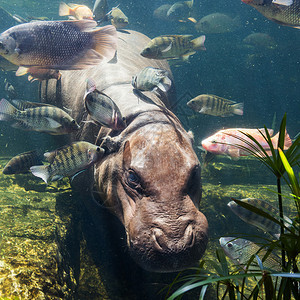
(132, 179)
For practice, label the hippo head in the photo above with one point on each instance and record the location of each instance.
(153, 185)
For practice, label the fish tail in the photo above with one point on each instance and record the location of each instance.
(198, 43)
(287, 140)
(64, 9)
(7, 110)
(238, 109)
(41, 172)
(105, 41)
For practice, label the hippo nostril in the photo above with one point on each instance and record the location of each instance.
(158, 237)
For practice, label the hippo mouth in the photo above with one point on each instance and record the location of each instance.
(162, 251)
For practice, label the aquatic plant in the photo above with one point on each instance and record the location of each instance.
(268, 284)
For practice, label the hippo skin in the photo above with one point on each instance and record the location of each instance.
(151, 180)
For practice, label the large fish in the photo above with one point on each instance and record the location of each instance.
(227, 142)
(173, 46)
(68, 161)
(240, 252)
(21, 163)
(43, 118)
(254, 219)
(63, 45)
(215, 106)
(283, 12)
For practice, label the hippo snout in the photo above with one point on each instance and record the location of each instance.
(170, 245)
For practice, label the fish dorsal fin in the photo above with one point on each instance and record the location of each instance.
(178, 35)
(82, 25)
(270, 131)
(283, 2)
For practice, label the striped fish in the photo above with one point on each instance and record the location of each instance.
(68, 161)
(254, 219)
(152, 79)
(21, 163)
(240, 252)
(102, 108)
(215, 106)
(173, 46)
(45, 118)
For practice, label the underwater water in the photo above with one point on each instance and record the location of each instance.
(50, 246)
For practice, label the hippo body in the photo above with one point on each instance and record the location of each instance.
(151, 178)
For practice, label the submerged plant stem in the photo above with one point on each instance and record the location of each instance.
(281, 220)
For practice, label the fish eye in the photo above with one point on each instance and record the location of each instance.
(147, 50)
(98, 149)
(73, 122)
(213, 141)
(229, 245)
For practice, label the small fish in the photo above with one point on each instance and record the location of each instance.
(260, 41)
(118, 18)
(226, 142)
(283, 12)
(215, 106)
(240, 252)
(152, 79)
(77, 11)
(10, 90)
(21, 163)
(161, 12)
(43, 118)
(102, 108)
(39, 74)
(180, 11)
(217, 23)
(62, 45)
(100, 9)
(173, 46)
(254, 219)
(68, 160)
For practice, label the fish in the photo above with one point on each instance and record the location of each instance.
(39, 74)
(102, 108)
(180, 11)
(254, 219)
(152, 79)
(283, 12)
(161, 12)
(215, 106)
(173, 47)
(118, 19)
(43, 118)
(100, 9)
(217, 23)
(77, 11)
(240, 252)
(22, 162)
(22, 105)
(260, 41)
(62, 45)
(68, 160)
(226, 142)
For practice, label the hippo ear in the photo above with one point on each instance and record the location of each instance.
(126, 155)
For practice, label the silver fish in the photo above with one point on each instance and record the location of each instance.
(240, 251)
(152, 79)
(102, 108)
(48, 119)
(68, 161)
(254, 219)
(21, 163)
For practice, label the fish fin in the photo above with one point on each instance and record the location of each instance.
(198, 43)
(22, 71)
(7, 110)
(72, 178)
(270, 131)
(114, 60)
(234, 153)
(185, 57)
(49, 156)
(105, 41)
(287, 141)
(90, 85)
(52, 123)
(41, 172)
(164, 86)
(238, 109)
(167, 48)
(31, 78)
(192, 20)
(57, 177)
(203, 110)
(166, 82)
(64, 9)
(283, 2)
